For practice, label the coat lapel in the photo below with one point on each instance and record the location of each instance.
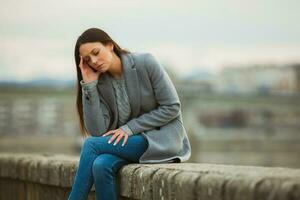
(106, 91)
(132, 84)
(132, 87)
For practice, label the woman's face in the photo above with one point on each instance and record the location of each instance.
(97, 55)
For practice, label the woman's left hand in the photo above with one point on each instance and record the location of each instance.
(119, 133)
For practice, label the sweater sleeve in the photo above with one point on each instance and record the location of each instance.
(95, 113)
(166, 96)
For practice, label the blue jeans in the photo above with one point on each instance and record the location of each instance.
(99, 163)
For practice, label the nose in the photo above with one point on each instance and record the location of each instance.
(93, 60)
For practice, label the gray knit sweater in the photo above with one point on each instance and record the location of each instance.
(123, 105)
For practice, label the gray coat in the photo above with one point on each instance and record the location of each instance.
(155, 108)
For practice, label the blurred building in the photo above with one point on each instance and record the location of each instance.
(297, 71)
(259, 79)
(35, 112)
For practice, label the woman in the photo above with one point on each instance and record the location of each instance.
(123, 97)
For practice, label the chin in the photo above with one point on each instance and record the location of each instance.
(103, 70)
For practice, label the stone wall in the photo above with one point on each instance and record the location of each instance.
(45, 176)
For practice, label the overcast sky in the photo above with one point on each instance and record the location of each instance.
(37, 37)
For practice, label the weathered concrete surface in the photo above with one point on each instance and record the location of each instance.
(51, 176)
(208, 181)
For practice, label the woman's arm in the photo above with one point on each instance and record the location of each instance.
(166, 96)
(95, 112)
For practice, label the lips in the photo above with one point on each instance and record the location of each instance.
(99, 66)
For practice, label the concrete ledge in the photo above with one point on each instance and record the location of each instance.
(30, 173)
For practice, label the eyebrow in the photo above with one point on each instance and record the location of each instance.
(90, 52)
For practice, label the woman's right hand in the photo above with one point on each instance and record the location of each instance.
(88, 74)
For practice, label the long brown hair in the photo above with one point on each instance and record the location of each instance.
(90, 35)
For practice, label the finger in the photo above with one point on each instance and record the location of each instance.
(83, 65)
(119, 138)
(113, 137)
(108, 133)
(125, 140)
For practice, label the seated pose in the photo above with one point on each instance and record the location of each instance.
(129, 112)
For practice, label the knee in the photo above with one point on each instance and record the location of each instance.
(89, 142)
(102, 164)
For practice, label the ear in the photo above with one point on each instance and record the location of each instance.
(110, 46)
